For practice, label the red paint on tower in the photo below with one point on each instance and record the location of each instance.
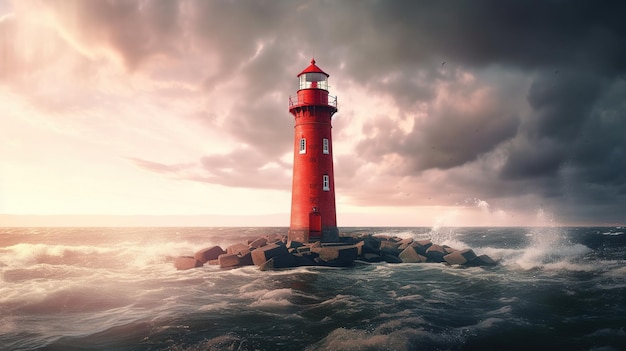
(313, 212)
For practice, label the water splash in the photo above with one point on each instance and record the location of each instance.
(549, 248)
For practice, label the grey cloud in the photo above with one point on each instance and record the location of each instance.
(451, 135)
(558, 132)
(242, 168)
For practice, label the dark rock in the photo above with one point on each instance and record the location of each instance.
(292, 244)
(409, 255)
(482, 260)
(263, 254)
(284, 261)
(208, 254)
(305, 260)
(349, 240)
(391, 259)
(371, 245)
(388, 244)
(245, 259)
(421, 246)
(390, 251)
(186, 262)
(435, 253)
(371, 257)
(460, 257)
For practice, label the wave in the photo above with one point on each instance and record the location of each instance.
(398, 334)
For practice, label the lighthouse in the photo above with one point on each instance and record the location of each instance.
(313, 212)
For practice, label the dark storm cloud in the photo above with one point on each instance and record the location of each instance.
(559, 133)
(454, 133)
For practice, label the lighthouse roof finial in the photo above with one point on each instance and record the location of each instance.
(313, 69)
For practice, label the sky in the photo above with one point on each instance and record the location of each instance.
(176, 112)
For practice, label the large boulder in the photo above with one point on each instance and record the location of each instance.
(460, 257)
(421, 246)
(388, 244)
(245, 258)
(210, 253)
(228, 260)
(284, 261)
(371, 257)
(186, 262)
(435, 253)
(449, 249)
(342, 256)
(258, 242)
(267, 265)
(292, 244)
(329, 253)
(391, 258)
(482, 260)
(409, 255)
(305, 260)
(264, 253)
(371, 245)
(404, 243)
(237, 248)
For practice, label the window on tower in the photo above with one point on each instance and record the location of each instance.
(302, 145)
(325, 182)
(325, 149)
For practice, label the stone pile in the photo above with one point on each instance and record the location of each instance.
(276, 251)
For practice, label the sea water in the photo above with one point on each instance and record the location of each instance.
(117, 289)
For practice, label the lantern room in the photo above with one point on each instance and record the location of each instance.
(313, 78)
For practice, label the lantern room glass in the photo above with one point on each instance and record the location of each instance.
(314, 81)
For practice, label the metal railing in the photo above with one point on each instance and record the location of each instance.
(296, 101)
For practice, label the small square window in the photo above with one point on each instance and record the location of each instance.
(303, 146)
(325, 182)
(326, 149)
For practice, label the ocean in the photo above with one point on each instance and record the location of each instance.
(554, 288)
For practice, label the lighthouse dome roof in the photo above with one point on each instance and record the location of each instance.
(313, 69)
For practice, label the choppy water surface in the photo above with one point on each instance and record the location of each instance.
(117, 289)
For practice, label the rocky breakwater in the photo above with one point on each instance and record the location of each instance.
(275, 251)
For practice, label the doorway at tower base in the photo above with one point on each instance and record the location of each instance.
(328, 235)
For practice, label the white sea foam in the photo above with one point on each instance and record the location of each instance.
(619, 272)
(485, 324)
(502, 310)
(268, 298)
(548, 250)
(351, 339)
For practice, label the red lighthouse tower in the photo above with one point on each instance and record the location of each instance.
(313, 213)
